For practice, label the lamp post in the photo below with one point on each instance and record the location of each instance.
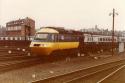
(113, 22)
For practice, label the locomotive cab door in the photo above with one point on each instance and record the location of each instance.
(56, 42)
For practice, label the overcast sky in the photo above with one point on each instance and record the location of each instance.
(75, 14)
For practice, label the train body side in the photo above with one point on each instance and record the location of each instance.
(56, 43)
(61, 41)
(46, 48)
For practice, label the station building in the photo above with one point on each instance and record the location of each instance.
(20, 28)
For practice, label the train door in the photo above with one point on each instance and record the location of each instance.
(56, 42)
(61, 43)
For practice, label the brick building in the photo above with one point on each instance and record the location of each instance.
(21, 27)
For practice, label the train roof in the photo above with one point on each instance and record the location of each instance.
(59, 30)
(62, 30)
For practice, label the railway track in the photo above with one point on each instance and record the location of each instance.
(5, 51)
(82, 75)
(16, 57)
(8, 65)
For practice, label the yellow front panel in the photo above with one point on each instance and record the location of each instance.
(46, 48)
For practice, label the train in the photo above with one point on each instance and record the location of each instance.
(59, 41)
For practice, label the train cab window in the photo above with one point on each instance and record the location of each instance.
(44, 37)
(41, 36)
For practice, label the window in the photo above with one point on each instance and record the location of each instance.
(103, 39)
(62, 37)
(100, 39)
(6, 38)
(92, 39)
(44, 37)
(41, 36)
(68, 38)
(19, 27)
(8, 28)
(15, 28)
(88, 39)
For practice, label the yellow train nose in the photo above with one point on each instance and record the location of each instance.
(41, 50)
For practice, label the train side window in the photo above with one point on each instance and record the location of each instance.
(67, 38)
(13, 38)
(55, 38)
(1, 38)
(88, 39)
(100, 39)
(76, 38)
(103, 39)
(60, 37)
(52, 37)
(108, 39)
(4, 38)
(92, 39)
(8, 38)
(18, 38)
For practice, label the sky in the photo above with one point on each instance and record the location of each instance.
(72, 14)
